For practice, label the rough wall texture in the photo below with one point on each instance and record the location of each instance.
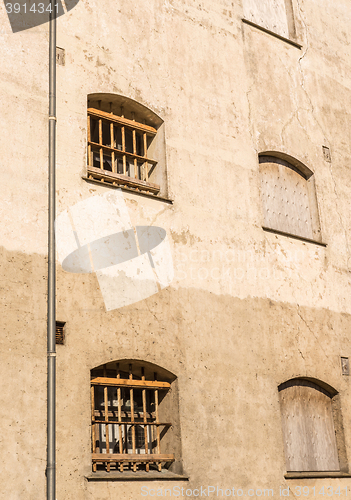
(247, 309)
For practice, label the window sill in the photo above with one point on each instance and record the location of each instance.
(316, 475)
(136, 476)
(132, 188)
(265, 30)
(121, 180)
(296, 237)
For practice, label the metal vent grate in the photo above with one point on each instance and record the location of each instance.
(60, 332)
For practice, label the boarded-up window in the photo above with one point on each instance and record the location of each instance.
(308, 427)
(270, 14)
(289, 200)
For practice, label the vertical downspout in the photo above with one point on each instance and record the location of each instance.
(51, 331)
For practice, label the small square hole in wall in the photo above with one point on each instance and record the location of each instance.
(60, 56)
(326, 153)
(345, 366)
(60, 332)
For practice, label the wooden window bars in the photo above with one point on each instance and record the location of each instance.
(118, 151)
(126, 428)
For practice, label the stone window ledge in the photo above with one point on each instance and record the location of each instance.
(265, 30)
(129, 190)
(136, 476)
(295, 236)
(316, 475)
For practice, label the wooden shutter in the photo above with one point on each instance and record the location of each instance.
(285, 198)
(308, 427)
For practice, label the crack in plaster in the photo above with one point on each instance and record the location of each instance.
(279, 287)
(288, 122)
(340, 217)
(250, 121)
(297, 335)
(295, 114)
(314, 335)
(303, 357)
(302, 72)
(159, 214)
(155, 316)
(321, 128)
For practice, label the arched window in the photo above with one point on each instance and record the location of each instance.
(288, 197)
(134, 418)
(125, 144)
(312, 427)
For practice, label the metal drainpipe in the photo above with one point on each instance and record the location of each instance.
(51, 331)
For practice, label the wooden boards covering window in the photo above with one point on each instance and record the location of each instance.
(308, 427)
(288, 199)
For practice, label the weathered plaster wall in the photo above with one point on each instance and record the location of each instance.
(247, 309)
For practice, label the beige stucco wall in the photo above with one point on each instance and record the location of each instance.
(247, 309)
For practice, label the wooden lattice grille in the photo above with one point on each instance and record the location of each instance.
(118, 150)
(126, 427)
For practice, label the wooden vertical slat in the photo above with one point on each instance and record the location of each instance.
(123, 132)
(131, 397)
(93, 429)
(112, 142)
(106, 425)
(126, 430)
(106, 420)
(135, 150)
(119, 419)
(157, 422)
(90, 163)
(100, 142)
(146, 167)
(145, 419)
(112, 133)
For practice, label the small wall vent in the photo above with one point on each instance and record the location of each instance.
(60, 332)
(60, 56)
(345, 366)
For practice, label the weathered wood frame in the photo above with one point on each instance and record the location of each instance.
(110, 418)
(113, 177)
